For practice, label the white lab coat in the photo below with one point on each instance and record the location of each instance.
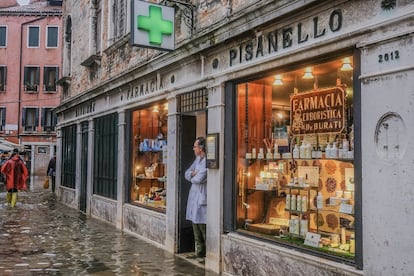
(197, 198)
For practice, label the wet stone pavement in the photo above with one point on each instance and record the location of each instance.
(41, 236)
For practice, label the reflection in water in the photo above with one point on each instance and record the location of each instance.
(40, 236)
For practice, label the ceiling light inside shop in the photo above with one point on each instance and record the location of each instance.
(278, 80)
(155, 109)
(280, 115)
(346, 65)
(308, 73)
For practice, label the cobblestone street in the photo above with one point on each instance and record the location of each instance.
(40, 236)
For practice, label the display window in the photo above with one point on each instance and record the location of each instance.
(295, 158)
(149, 149)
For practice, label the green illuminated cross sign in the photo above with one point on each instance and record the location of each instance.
(155, 25)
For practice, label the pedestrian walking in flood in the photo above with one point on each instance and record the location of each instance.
(197, 198)
(51, 171)
(16, 175)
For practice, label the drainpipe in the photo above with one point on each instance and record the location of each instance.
(20, 72)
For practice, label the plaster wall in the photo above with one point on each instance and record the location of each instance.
(246, 256)
(388, 153)
(145, 223)
(68, 197)
(103, 208)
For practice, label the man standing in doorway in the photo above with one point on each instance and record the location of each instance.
(197, 198)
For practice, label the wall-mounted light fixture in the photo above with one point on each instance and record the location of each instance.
(278, 80)
(346, 64)
(308, 73)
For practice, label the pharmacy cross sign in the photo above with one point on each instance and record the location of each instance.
(155, 25)
(152, 25)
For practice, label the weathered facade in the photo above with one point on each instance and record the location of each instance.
(30, 65)
(130, 115)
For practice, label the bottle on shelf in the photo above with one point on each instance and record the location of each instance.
(292, 202)
(334, 150)
(308, 151)
(352, 244)
(328, 151)
(304, 203)
(287, 202)
(302, 150)
(295, 152)
(319, 201)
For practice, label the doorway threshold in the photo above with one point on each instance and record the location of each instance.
(195, 262)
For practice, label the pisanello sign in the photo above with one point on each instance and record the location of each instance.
(152, 26)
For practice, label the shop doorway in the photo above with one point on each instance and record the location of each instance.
(84, 168)
(187, 137)
(192, 124)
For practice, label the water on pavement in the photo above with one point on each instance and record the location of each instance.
(41, 236)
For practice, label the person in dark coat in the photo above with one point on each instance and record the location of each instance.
(51, 171)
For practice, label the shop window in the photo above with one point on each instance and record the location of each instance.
(68, 168)
(2, 118)
(149, 168)
(295, 160)
(50, 76)
(31, 79)
(3, 78)
(33, 36)
(3, 36)
(30, 119)
(52, 36)
(106, 154)
(48, 119)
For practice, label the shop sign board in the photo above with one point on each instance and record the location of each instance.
(319, 111)
(152, 26)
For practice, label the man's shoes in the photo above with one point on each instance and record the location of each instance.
(192, 257)
(201, 260)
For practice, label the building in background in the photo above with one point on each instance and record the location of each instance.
(30, 65)
(307, 108)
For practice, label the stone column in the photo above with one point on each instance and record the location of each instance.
(89, 188)
(121, 169)
(172, 177)
(214, 181)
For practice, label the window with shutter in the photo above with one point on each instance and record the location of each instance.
(3, 36)
(33, 36)
(3, 78)
(2, 118)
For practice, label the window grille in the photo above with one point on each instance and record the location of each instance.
(194, 101)
(68, 168)
(106, 156)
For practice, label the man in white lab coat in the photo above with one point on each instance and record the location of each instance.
(197, 198)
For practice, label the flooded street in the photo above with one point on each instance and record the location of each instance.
(40, 236)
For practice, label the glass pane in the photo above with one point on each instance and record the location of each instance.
(3, 36)
(52, 36)
(295, 166)
(149, 168)
(33, 36)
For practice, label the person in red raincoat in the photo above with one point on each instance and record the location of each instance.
(16, 175)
